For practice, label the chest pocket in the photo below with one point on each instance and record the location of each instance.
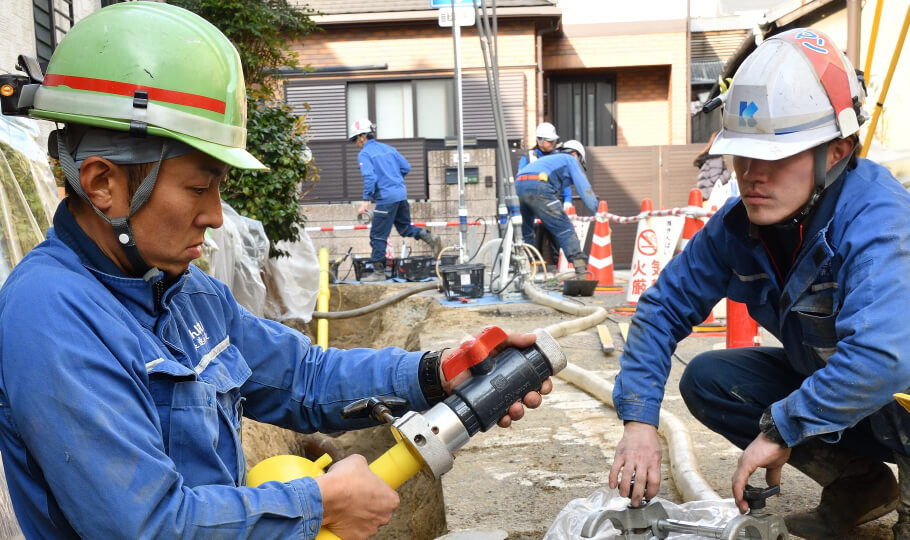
(816, 315)
(200, 411)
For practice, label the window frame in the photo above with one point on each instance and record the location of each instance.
(55, 18)
(610, 80)
(371, 100)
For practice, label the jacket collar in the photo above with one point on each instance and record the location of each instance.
(144, 299)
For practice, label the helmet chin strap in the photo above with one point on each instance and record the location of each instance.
(823, 179)
(121, 225)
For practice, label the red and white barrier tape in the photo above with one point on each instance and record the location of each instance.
(688, 211)
(422, 224)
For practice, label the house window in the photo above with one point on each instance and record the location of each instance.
(404, 109)
(53, 19)
(105, 3)
(583, 110)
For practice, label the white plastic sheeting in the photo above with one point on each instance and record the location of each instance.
(280, 288)
(28, 192)
(293, 281)
(237, 254)
(571, 519)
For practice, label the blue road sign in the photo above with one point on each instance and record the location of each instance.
(437, 4)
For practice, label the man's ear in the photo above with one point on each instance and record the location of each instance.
(105, 183)
(838, 149)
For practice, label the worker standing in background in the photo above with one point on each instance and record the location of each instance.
(539, 184)
(818, 248)
(125, 372)
(383, 169)
(547, 142)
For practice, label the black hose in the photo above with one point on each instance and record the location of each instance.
(376, 305)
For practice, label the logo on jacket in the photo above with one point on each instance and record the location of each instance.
(200, 337)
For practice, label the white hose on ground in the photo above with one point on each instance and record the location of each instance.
(683, 465)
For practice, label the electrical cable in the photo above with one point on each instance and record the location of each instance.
(482, 238)
(376, 305)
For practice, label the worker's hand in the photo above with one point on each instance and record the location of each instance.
(637, 456)
(532, 400)
(364, 207)
(355, 501)
(762, 452)
(566, 205)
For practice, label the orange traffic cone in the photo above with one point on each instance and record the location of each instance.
(600, 262)
(692, 223)
(742, 330)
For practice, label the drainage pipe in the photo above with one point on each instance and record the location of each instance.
(683, 465)
(376, 305)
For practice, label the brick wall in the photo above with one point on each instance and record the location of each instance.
(642, 106)
(423, 47)
(646, 115)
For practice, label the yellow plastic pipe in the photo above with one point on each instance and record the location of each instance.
(322, 301)
(884, 93)
(394, 467)
(873, 37)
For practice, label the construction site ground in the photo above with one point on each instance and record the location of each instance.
(517, 480)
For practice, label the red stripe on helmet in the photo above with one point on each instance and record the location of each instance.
(129, 90)
(824, 56)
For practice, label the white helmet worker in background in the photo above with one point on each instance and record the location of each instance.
(818, 249)
(360, 127)
(547, 132)
(546, 144)
(575, 147)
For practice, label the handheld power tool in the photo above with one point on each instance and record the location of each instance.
(427, 442)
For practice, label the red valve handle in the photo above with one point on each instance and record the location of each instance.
(473, 351)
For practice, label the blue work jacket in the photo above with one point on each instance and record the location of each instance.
(383, 170)
(840, 313)
(558, 172)
(120, 412)
(533, 155)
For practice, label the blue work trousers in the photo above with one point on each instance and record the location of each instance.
(537, 201)
(384, 216)
(729, 390)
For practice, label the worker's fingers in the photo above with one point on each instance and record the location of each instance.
(516, 339)
(532, 400)
(637, 491)
(772, 476)
(744, 469)
(546, 387)
(653, 481)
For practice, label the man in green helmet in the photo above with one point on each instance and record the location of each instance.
(124, 370)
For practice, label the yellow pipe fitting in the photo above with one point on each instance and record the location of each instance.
(322, 301)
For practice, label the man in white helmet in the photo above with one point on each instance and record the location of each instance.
(383, 169)
(818, 248)
(538, 184)
(547, 144)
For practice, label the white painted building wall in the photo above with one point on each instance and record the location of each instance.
(17, 26)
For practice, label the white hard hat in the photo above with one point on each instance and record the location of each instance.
(574, 146)
(796, 91)
(547, 132)
(362, 125)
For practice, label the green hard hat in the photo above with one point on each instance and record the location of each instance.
(149, 67)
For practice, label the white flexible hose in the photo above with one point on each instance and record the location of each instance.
(683, 465)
